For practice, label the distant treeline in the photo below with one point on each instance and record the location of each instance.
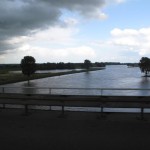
(10, 67)
(61, 65)
(133, 64)
(118, 63)
(112, 63)
(50, 66)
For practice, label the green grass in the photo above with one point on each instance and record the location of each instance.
(6, 77)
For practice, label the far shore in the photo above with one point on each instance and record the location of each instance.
(7, 78)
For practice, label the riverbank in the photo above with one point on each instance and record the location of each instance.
(77, 130)
(6, 78)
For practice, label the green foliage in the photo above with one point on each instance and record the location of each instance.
(28, 65)
(62, 65)
(99, 64)
(87, 64)
(51, 66)
(144, 65)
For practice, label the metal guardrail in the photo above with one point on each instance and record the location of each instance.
(29, 90)
(77, 91)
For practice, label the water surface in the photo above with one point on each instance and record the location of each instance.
(115, 76)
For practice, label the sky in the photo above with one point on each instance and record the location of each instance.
(74, 30)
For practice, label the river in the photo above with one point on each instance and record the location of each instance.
(114, 76)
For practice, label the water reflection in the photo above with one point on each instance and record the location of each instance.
(27, 90)
(144, 84)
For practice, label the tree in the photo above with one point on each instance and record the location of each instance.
(99, 64)
(87, 64)
(28, 66)
(144, 65)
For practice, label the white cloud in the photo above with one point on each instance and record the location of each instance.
(133, 40)
(71, 21)
(75, 54)
(119, 1)
(125, 32)
(82, 51)
(72, 54)
(55, 35)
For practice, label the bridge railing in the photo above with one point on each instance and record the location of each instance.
(77, 91)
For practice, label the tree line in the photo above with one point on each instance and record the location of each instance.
(62, 65)
(51, 66)
(144, 65)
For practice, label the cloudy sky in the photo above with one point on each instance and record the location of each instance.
(74, 30)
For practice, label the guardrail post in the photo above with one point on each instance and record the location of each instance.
(102, 110)
(26, 109)
(101, 92)
(50, 91)
(142, 113)
(3, 90)
(3, 106)
(63, 110)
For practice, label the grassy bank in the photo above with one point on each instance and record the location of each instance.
(6, 77)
